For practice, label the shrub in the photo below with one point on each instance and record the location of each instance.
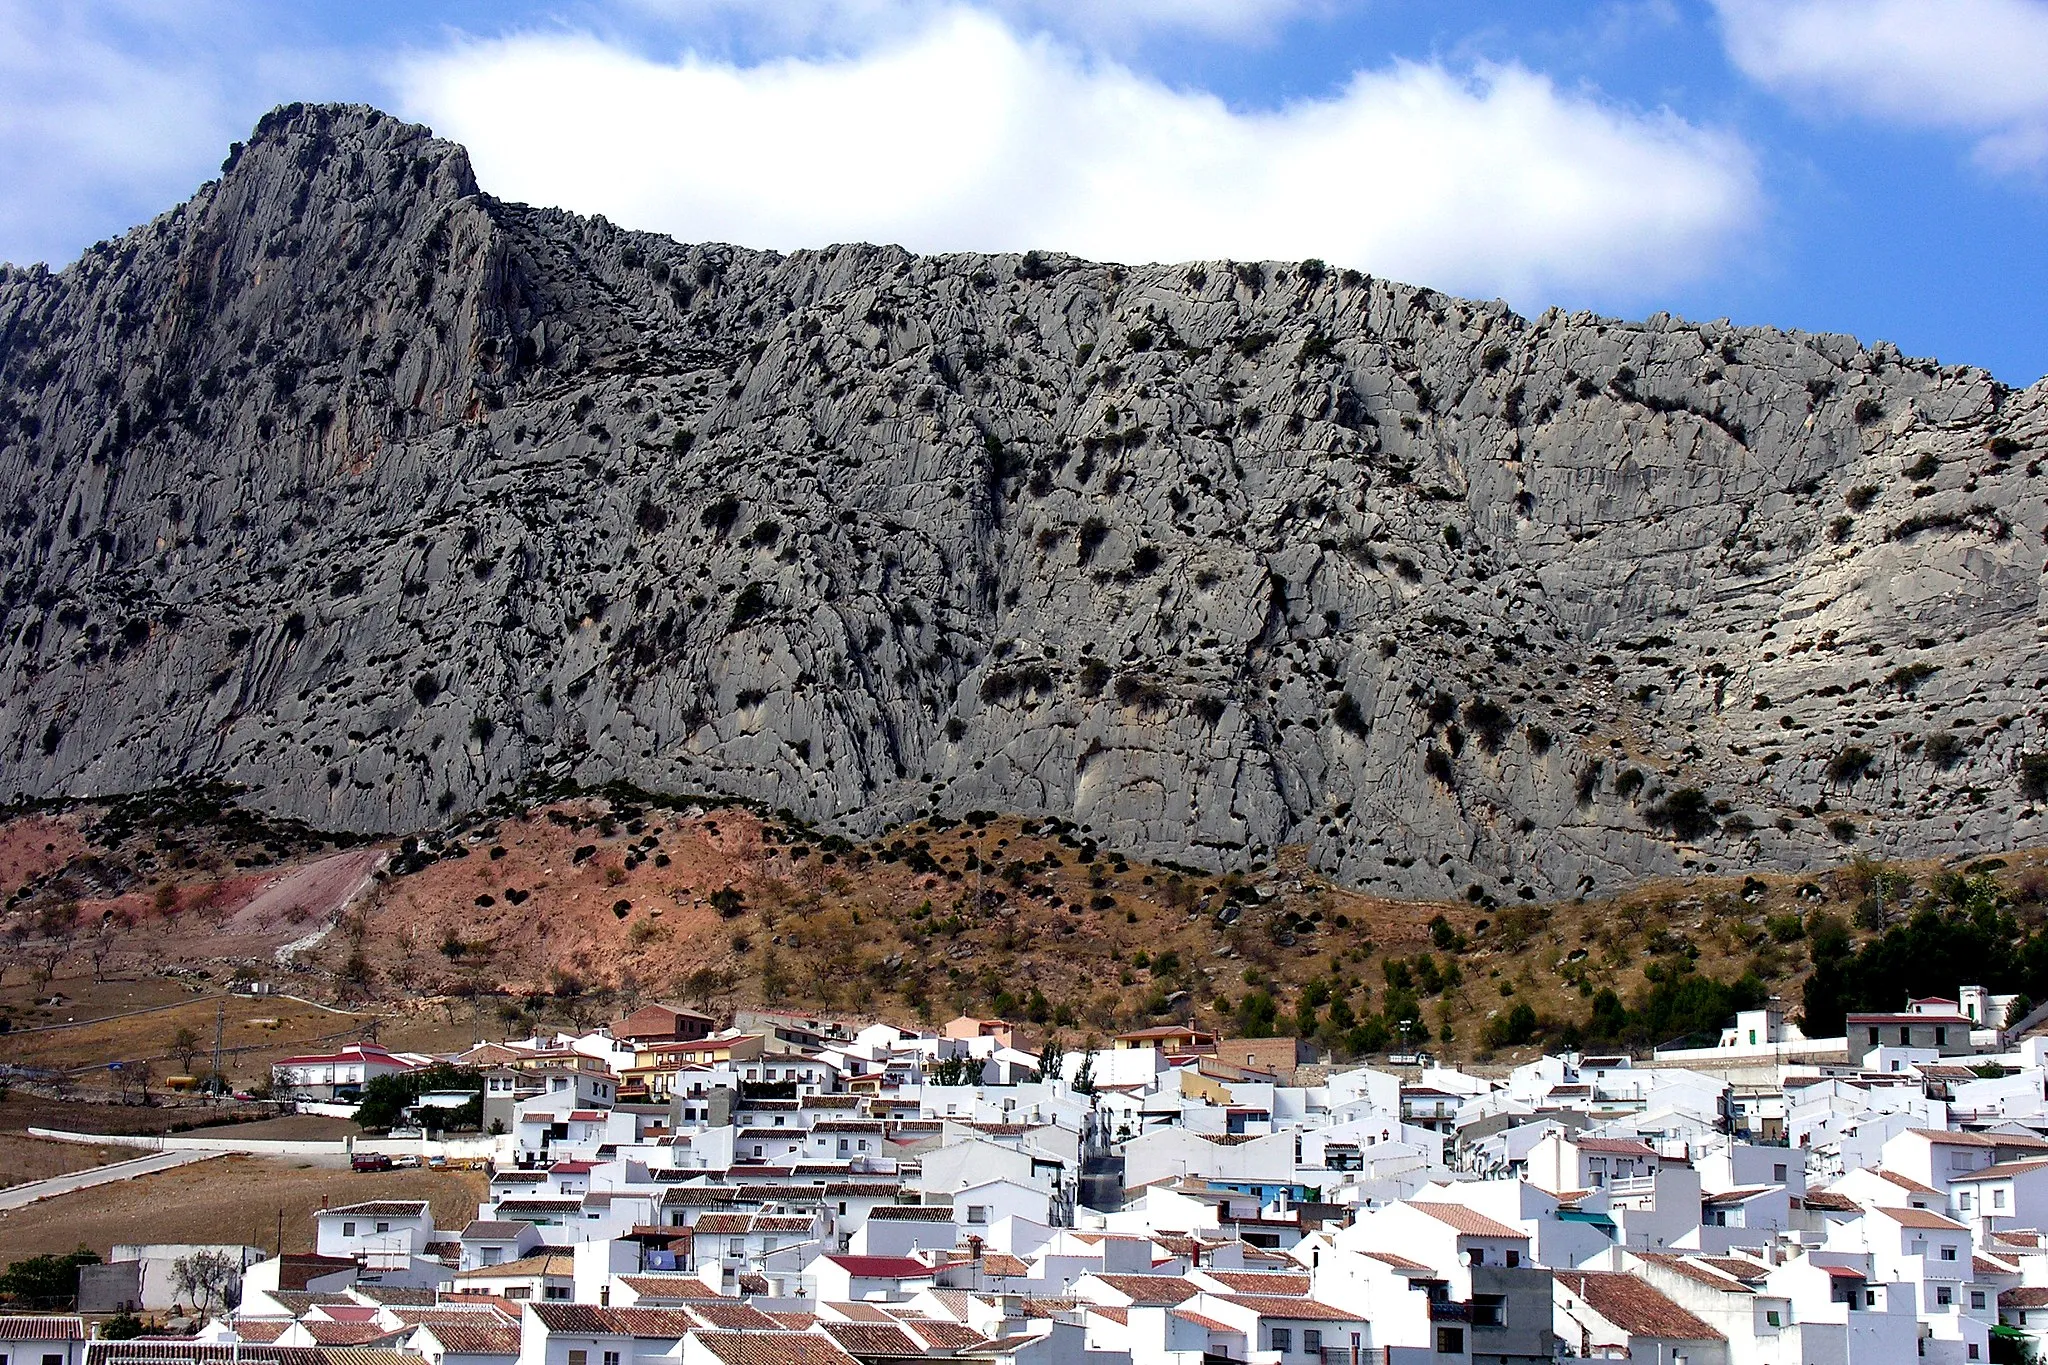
(1513, 1029)
(1349, 717)
(1089, 539)
(1843, 829)
(1868, 410)
(1924, 468)
(1489, 722)
(1437, 764)
(1861, 496)
(1850, 765)
(2034, 776)
(750, 605)
(1685, 812)
(1943, 749)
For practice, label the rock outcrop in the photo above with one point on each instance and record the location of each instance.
(349, 483)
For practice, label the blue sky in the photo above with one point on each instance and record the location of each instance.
(1878, 167)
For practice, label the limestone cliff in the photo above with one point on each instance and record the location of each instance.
(350, 483)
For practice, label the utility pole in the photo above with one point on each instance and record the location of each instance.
(220, 1023)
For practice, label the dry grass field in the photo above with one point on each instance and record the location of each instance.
(23, 1159)
(232, 1199)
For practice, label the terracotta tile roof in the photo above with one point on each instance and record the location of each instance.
(540, 1263)
(144, 1351)
(849, 1311)
(41, 1327)
(367, 1355)
(1206, 1323)
(1832, 1202)
(911, 1213)
(1981, 1264)
(1693, 1269)
(482, 1338)
(1288, 1306)
(1906, 1182)
(1952, 1138)
(946, 1336)
(732, 1317)
(793, 1322)
(1634, 1306)
(1003, 1265)
(1467, 1222)
(579, 1319)
(1153, 1291)
(669, 1287)
(653, 1323)
(261, 1329)
(381, 1208)
(1399, 1262)
(344, 1333)
(1613, 1146)
(1260, 1281)
(774, 1348)
(2004, 1170)
(2024, 1296)
(1925, 1219)
(873, 1339)
(1120, 1316)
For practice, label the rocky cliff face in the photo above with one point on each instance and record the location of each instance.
(350, 483)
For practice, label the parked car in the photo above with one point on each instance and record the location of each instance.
(406, 1161)
(371, 1161)
(437, 1163)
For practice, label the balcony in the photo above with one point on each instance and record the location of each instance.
(1449, 1310)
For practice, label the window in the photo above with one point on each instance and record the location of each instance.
(1976, 1298)
(1476, 1256)
(1944, 1296)
(579, 1358)
(1311, 1340)
(1873, 1037)
(556, 1291)
(1948, 1252)
(52, 1358)
(1282, 1340)
(611, 1358)
(493, 1255)
(1771, 1316)
(1450, 1341)
(735, 1246)
(977, 1213)
(1489, 1310)
(1514, 1257)
(1940, 1035)
(1973, 1350)
(348, 1229)
(1778, 1172)
(1997, 1199)
(1870, 1298)
(383, 1227)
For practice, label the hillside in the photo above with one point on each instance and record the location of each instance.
(572, 912)
(385, 499)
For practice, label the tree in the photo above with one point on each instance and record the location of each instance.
(386, 1098)
(1049, 1058)
(956, 1071)
(123, 1326)
(185, 1047)
(206, 1280)
(45, 1281)
(1084, 1078)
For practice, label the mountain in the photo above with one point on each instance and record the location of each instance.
(384, 499)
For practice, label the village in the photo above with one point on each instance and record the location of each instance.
(781, 1189)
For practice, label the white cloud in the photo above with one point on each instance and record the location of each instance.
(1979, 66)
(962, 135)
(867, 20)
